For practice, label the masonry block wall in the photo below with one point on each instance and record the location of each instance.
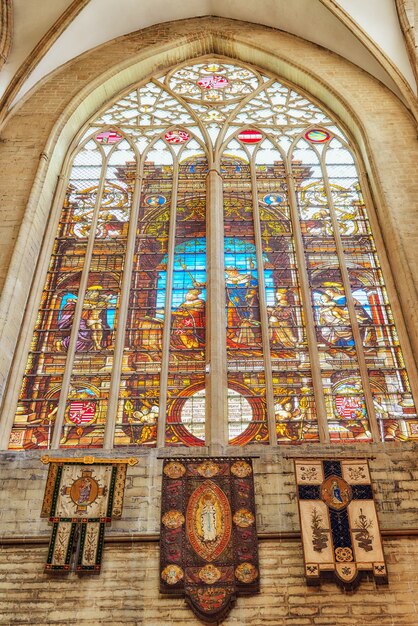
(393, 467)
(126, 592)
(33, 146)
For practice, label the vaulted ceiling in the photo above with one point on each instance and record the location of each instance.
(38, 36)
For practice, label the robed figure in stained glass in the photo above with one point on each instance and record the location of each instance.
(242, 308)
(189, 321)
(93, 328)
(282, 322)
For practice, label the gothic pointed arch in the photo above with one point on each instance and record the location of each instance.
(214, 245)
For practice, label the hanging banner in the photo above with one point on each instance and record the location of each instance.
(208, 546)
(82, 497)
(339, 525)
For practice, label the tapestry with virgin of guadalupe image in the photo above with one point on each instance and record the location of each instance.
(208, 545)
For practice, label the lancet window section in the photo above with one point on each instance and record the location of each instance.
(247, 411)
(121, 350)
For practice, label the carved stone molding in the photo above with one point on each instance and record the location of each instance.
(38, 52)
(408, 18)
(6, 29)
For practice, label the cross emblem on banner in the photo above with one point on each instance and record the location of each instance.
(340, 529)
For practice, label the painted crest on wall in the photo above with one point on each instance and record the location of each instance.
(208, 548)
(82, 496)
(340, 529)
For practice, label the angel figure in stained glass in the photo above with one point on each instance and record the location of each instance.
(286, 412)
(142, 423)
(334, 319)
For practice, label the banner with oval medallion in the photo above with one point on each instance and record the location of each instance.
(340, 529)
(208, 547)
(82, 497)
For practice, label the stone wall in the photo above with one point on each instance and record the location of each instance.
(393, 468)
(126, 592)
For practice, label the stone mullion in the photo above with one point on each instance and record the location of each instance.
(165, 361)
(165, 87)
(216, 389)
(55, 443)
(112, 407)
(271, 420)
(308, 313)
(350, 306)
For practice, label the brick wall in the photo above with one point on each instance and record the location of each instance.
(126, 592)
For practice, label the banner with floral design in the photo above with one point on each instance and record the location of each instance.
(339, 525)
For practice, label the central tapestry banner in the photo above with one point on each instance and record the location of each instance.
(208, 547)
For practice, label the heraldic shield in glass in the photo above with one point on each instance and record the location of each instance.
(81, 498)
(339, 525)
(208, 548)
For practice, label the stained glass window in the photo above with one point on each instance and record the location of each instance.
(305, 338)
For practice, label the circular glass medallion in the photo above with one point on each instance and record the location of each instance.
(214, 81)
(155, 200)
(317, 135)
(250, 136)
(272, 200)
(193, 414)
(176, 136)
(212, 68)
(81, 411)
(349, 406)
(108, 136)
(240, 413)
